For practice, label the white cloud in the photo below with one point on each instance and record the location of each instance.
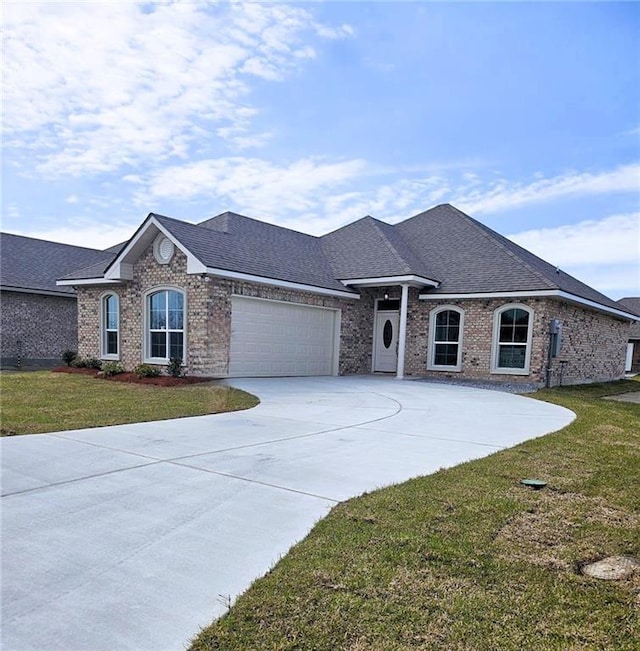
(83, 232)
(612, 240)
(603, 253)
(257, 185)
(93, 87)
(503, 195)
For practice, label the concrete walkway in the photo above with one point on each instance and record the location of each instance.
(135, 536)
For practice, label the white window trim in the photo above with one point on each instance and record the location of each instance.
(146, 334)
(103, 328)
(495, 345)
(431, 350)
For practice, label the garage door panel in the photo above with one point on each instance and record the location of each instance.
(270, 338)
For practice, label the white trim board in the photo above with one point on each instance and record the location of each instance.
(541, 293)
(389, 281)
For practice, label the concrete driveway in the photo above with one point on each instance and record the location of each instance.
(135, 536)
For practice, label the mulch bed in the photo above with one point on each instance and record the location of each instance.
(160, 381)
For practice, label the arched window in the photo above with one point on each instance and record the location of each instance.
(165, 325)
(445, 338)
(512, 332)
(110, 326)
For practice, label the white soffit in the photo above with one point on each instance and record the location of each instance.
(541, 293)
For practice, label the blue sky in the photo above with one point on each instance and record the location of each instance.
(311, 115)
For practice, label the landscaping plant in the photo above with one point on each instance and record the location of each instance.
(146, 370)
(68, 356)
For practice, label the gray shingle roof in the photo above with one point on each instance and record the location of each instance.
(632, 304)
(470, 258)
(236, 243)
(370, 248)
(442, 244)
(35, 265)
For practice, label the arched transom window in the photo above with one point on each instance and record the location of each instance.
(110, 327)
(445, 339)
(165, 318)
(512, 339)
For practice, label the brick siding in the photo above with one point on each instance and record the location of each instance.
(593, 348)
(36, 328)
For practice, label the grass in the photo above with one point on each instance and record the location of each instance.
(467, 558)
(48, 402)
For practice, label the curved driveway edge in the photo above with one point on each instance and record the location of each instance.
(135, 536)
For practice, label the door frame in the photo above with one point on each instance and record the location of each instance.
(376, 312)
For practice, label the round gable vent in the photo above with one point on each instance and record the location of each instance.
(163, 249)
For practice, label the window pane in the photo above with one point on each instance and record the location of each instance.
(512, 356)
(175, 319)
(441, 318)
(441, 333)
(175, 345)
(508, 317)
(111, 312)
(454, 333)
(158, 311)
(446, 355)
(506, 333)
(112, 343)
(158, 344)
(175, 301)
(520, 334)
(521, 317)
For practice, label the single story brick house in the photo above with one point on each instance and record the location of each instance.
(436, 295)
(39, 319)
(632, 365)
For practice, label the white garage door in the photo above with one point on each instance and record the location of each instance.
(270, 338)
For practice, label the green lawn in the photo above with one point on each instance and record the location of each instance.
(468, 558)
(49, 402)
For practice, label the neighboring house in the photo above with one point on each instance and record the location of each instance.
(632, 365)
(437, 295)
(39, 319)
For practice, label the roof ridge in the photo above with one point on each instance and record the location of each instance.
(387, 243)
(258, 221)
(39, 239)
(496, 238)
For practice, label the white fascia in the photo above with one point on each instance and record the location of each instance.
(541, 293)
(121, 269)
(87, 281)
(285, 284)
(387, 281)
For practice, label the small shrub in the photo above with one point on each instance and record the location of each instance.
(112, 368)
(93, 362)
(146, 370)
(174, 367)
(68, 356)
(79, 362)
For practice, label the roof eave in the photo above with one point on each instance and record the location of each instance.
(535, 293)
(276, 282)
(388, 281)
(121, 267)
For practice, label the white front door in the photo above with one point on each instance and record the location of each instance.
(385, 349)
(629, 360)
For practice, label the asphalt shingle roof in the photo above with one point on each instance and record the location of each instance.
(632, 304)
(370, 248)
(35, 265)
(442, 244)
(241, 244)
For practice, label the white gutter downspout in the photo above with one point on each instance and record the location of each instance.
(402, 331)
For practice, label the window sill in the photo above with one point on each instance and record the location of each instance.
(509, 371)
(110, 358)
(445, 369)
